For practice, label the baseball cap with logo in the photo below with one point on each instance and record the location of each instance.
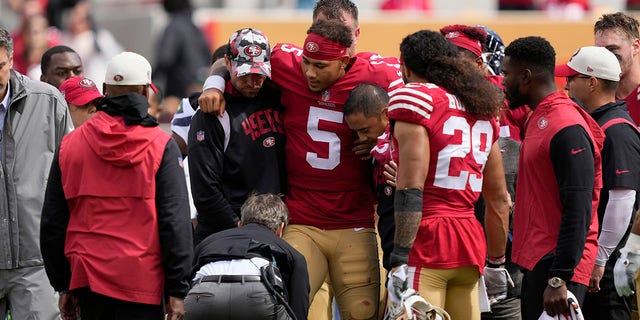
(592, 61)
(129, 68)
(79, 91)
(249, 52)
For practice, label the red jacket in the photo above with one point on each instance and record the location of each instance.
(112, 240)
(538, 207)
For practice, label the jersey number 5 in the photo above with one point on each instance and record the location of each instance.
(476, 140)
(315, 115)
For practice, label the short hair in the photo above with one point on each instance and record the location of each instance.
(608, 85)
(619, 21)
(47, 55)
(367, 98)
(430, 55)
(332, 30)
(265, 209)
(333, 9)
(219, 53)
(6, 42)
(533, 52)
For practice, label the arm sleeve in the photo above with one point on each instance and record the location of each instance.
(575, 174)
(206, 158)
(174, 222)
(53, 230)
(615, 222)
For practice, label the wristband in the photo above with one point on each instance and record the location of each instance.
(214, 81)
(408, 200)
(494, 262)
(399, 256)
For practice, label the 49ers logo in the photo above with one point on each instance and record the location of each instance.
(86, 83)
(312, 47)
(269, 142)
(253, 50)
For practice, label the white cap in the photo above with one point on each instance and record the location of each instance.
(128, 68)
(591, 61)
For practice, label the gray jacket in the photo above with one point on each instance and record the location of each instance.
(33, 128)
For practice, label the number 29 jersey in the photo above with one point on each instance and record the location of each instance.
(459, 144)
(329, 186)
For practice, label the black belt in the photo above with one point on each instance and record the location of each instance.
(229, 278)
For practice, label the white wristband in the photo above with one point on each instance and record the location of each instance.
(214, 82)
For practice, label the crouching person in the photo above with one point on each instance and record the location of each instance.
(250, 272)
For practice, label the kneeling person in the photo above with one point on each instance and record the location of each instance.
(232, 266)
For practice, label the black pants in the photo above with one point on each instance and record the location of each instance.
(533, 285)
(607, 304)
(232, 300)
(94, 306)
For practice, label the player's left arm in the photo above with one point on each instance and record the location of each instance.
(413, 147)
(572, 156)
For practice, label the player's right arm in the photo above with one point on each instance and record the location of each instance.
(212, 98)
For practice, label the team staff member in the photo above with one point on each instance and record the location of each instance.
(82, 97)
(559, 181)
(225, 259)
(365, 111)
(446, 136)
(242, 151)
(116, 236)
(33, 120)
(592, 75)
(618, 32)
(331, 219)
(58, 64)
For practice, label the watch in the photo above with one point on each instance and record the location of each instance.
(556, 282)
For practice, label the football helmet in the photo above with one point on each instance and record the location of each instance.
(493, 51)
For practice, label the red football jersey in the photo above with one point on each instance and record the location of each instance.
(329, 186)
(633, 104)
(459, 145)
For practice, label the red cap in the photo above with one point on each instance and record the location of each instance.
(79, 91)
(565, 71)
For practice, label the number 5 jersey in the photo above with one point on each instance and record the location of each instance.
(329, 186)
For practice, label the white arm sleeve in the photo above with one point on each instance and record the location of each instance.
(214, 81)
(616, 219)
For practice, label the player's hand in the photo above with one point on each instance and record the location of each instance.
(362, 149)
(68, 305)
(175, 309)
(390, 172)
(212, 101)
(555, 300)
(397, 283)
(497, 281)
(624, 272)
(596, 275)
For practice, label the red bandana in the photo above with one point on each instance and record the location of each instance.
(461, 40)
(320, 48)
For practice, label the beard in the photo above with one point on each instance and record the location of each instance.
(513, 104)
